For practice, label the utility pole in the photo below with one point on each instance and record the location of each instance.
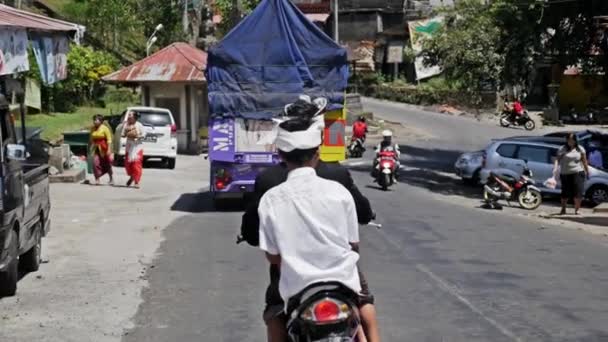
(185, 17)
(336, 30)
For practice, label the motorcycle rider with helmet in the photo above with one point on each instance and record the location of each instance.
(387, 145)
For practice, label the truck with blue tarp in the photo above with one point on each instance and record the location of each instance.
(268, 60)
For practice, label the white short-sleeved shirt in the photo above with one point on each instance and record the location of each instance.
(310, 222)
(571, 160)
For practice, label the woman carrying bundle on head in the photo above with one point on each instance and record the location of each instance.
(134, 156)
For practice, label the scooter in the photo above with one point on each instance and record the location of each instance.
(506, 120)
(385, 169)
(324, 311)
(510, 189)
(356, 148)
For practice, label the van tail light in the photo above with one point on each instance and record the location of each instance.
(222, 179)
(327, 311)
(173, 131)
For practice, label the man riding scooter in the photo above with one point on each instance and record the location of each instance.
(515, 108)
(387, 145)
(356, 147)
(359, 129)
(274, 176)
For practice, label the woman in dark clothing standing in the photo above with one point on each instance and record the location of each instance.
(574, 170)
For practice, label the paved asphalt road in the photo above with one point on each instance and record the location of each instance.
(440, 271)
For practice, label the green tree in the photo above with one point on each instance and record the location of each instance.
(86, 67)
(232, 14)
(168, 13)
(503, 41)
(110, 21)
(467, 47)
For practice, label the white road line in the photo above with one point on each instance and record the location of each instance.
(453, 291)
(356, 163)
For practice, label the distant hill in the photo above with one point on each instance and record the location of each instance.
(130, 49)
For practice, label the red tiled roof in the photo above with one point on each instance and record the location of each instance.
(315, 8)
(178, 62)
(12, 17)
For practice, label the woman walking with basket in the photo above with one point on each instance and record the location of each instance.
(573, 170)
(134, 156)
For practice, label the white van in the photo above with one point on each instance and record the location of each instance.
(160, 134)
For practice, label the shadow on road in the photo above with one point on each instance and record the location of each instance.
(430, 168)
(202, 202)
(433, 169)
(592, 220)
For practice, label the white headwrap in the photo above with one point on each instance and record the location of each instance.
(300, 140)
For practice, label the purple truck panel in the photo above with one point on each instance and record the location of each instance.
(242, 167)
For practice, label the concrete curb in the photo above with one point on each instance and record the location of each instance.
(602, 208)
(69, 176)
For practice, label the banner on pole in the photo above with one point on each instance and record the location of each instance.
(419, 30)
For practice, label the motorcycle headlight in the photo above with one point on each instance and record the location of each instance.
(386, 165)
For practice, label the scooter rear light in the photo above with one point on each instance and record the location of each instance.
(327, 311)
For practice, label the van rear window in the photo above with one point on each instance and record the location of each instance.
(155, 119)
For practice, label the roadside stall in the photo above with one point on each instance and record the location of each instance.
(24, 173)
(274, 55)
(48, 38)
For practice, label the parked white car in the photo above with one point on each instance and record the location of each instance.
(160, 136)
(506, 157)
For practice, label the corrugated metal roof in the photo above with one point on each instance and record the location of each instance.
(12, 17)
(178, 62)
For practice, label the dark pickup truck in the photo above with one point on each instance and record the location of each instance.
(24, 203)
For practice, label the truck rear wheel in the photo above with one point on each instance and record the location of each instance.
(30, 261)
(8, 278)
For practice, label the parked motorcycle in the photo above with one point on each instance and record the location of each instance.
(356, 148)
(506, 120)
(510, 189)
(385, 169)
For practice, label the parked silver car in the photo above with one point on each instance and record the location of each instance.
(469, 165)
(505, 157)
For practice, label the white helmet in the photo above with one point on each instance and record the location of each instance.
(387, 133)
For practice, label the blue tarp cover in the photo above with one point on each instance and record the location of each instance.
(271, 57)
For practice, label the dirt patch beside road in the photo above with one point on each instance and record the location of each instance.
(101, 242)
(401, 132)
